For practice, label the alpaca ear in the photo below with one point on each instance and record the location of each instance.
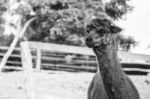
(115, 29)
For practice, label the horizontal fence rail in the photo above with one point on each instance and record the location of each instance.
(72, 58)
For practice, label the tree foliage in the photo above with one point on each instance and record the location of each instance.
(63, 21)
(116, 9)
(126, 43)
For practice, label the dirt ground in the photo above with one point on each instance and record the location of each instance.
(57, 85)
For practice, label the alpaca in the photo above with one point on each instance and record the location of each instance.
(110, 82)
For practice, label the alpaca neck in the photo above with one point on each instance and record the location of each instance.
(112, 75)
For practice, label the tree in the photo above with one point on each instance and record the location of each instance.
(17, 10)
(125, 43)
(116, 9)
(63, 21)
(12, 18)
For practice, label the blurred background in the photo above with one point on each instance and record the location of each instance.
(63, 66)
(63, 22)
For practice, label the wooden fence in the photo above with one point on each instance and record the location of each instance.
(72, 58)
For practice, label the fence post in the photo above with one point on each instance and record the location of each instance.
(28, 69)
(8, 53)
(38, 60)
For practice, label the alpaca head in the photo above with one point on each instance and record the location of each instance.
(100, 32)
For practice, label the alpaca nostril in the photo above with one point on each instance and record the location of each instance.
(89, 39)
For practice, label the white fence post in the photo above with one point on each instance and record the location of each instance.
(28, 69)
(38, 60)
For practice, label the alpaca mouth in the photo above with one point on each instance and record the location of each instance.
(92, 45)
(89, 44)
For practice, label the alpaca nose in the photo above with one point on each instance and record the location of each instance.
(89, 39)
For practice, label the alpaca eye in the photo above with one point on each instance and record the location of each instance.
(90, 27)
(87, 31)
(102, 31)
(101, 34)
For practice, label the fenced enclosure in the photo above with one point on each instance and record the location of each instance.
(72, 58)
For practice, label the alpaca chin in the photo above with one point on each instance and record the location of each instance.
(90, 45)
